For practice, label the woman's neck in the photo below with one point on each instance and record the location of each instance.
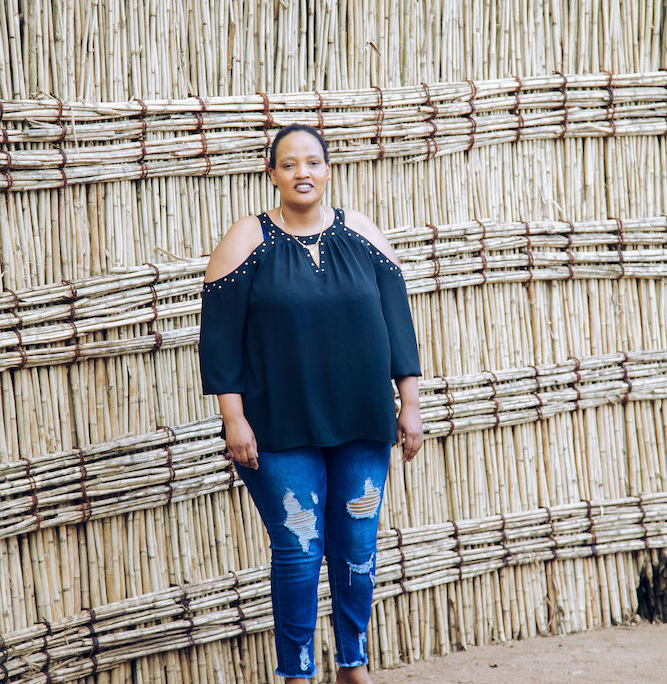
(302, 221)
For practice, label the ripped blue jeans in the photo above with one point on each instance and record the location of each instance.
(317, 501)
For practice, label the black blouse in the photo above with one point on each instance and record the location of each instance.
(311, 349)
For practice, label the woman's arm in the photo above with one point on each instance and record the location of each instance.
(409, 422)
(239, 436)
(401, 333)
(224, 307)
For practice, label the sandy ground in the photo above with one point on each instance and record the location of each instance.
(607, 656)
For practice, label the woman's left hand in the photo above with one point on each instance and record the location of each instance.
(410, 430)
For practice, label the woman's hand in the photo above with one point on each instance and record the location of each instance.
(410, 430)
(240, 442)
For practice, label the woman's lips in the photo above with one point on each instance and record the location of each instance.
(305, 187)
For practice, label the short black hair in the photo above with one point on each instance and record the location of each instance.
(290, 129)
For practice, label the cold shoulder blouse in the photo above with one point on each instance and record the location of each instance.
(311, 348)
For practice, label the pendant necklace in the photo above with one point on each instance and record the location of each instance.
(312, 249)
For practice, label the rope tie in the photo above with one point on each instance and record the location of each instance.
(449, 399)
(536, 394)
(152, 331)
(142, 135)
(34, 501)
(434, 258)
(169, 432)
(611, 110)
(552, 536)
(184, 602)
(269, 122)
(204, 142)
(482, 253)
(430, 139)
(320, 117)
(86, 506)
(16, 329)
(568, 251)
(172, 474)
(642, 521)
(575, 384)
(45, 649)
(563, 91)
(74, 339)
(529, 253)
(61, 166)
(626, 379)
(379, 110)
(503, 542)
(515, 109)
(95, 644)
(401, 562)
(57, 142)
(4, 141)
(494, 393)
(469, 115)
(591, 528)
(620, 245)
(457, 548)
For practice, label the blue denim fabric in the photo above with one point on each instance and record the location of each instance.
(317, 501)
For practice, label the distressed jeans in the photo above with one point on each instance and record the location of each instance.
(317, 501)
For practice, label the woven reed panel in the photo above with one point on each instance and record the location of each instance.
(514, 157)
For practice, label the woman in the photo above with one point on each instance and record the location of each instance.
(305, 320)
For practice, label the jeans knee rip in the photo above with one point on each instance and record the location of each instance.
(299, 521)
(363, 569)
(304, 657)
(366, 506)
(362, 644)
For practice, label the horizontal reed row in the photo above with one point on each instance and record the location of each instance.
(35, 322)
(51, 109)
(182, 462)
(582, 243)
(416, 123)
(408, 560)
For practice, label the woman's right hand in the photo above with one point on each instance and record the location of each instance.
(240, 442)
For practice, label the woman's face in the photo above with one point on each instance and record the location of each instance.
(301, 175)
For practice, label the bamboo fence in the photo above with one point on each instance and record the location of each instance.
(513, 153)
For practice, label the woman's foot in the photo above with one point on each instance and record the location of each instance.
(297, 680)
(353, 675)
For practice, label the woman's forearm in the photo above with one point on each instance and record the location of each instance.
(408, 389)
(231, 406)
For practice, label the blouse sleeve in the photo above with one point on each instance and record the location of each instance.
(223, 317)
(396, 310)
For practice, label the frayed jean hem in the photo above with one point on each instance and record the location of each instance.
(356, 663)
(300, 675)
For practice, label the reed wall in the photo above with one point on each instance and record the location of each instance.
(514, 154)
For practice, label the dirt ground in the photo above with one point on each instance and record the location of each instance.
(607, 656)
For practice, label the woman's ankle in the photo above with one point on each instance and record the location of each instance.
(353, 675)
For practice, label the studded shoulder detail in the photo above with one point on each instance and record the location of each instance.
(376, 255)
(249, 266)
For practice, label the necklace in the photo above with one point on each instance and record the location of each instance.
(312, 249)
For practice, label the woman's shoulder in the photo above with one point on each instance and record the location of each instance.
(236, 246)
(361, 224)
